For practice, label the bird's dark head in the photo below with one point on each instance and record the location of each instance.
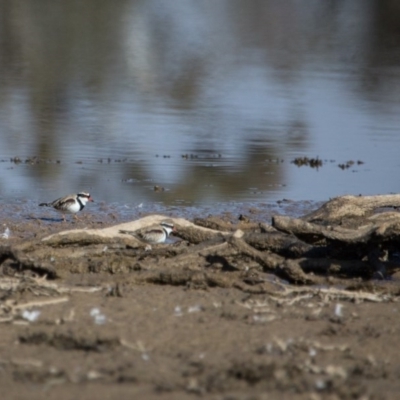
(85, 196)
(168, 225)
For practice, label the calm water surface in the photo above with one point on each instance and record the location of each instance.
(211, 101)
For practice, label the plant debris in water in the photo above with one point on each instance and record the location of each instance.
(308, 162)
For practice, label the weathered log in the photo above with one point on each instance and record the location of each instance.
(343, 268)
(343, 208)
(296, 270)
(313, 232)
(267, 260)
(283, 245)
(195, 235)
(219, 224)
(291, 270)
(214, 223)
(272, 262)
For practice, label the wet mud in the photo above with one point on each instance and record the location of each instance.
(109, 318)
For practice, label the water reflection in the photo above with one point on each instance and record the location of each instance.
(209, 100)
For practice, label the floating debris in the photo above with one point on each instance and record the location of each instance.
(189, 156)
(33, 160)
(308, 162)
(203, 157)
(349, 164)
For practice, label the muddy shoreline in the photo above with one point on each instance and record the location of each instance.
(103, 335)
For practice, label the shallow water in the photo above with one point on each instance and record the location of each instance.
(209, 101)
(103, 213)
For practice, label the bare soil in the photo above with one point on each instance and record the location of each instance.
(105, 334)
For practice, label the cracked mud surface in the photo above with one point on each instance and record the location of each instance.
(107, 334)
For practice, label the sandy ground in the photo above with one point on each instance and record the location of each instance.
(103, 336)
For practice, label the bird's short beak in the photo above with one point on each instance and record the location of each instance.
(91, 199)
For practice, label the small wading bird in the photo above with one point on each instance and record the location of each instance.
(70, 204)
(153, 234)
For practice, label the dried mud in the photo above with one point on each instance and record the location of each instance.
(158, 328)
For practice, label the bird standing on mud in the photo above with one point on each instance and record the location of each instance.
(71, 204)
(153, 234)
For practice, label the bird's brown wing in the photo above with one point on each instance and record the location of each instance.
(63, 202)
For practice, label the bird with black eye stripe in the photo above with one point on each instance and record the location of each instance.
(71, 204)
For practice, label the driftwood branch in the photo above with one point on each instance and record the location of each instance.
(314, 232)
(351, 207)
(345, 238)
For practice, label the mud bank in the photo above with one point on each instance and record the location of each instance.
(156, 328)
